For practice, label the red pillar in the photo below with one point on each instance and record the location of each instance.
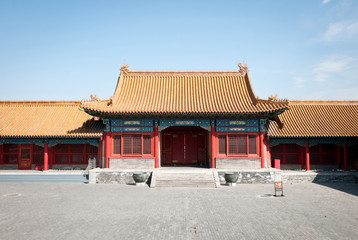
(308, 168)
(46, 157)
(213, 147)
(108, 149)
(156, 147)
(262, 148)
(345, 157)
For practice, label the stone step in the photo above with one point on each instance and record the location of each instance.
(202, 179)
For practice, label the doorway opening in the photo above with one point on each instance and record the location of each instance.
(184, 146)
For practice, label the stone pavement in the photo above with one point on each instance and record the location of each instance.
(114, 211)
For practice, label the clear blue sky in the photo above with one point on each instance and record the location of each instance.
(67, 50)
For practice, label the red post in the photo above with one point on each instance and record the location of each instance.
(308, 168)
(277, 164)
(108, 149)
(156, 147)
(345, 157)
(46, 157)
(262, 147)
(213, 147)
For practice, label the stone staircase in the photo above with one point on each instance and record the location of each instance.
(185, 177)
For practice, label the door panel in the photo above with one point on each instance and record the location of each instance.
(191, 148)
(178, 148)
(201, 149)
(25, 157)
(184, 148)
(167, 149)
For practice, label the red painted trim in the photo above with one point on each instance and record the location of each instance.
(345, 157)
(108, 149)
(307, 150)
(213, 147)
(262, 150)
(156, 147)
(46, 157)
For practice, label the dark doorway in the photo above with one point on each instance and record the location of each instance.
(184, 146)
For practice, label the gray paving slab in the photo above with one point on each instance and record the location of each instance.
(114, 211)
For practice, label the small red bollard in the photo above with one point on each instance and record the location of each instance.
(277, 164)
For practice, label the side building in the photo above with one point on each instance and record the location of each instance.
(155, 119)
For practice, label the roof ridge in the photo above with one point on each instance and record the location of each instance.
(323, 102)
(40, 102)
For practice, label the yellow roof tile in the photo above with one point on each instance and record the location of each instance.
(318, 119)
(181, 92)
(47, 119)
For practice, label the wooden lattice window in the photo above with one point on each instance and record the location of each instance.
(147, 144)
(323, 154)
(222, 144)
(237, 144)
(11, 153)
(38, 154)
(287, 153)
(117, 144)
(132, 145)
(74, 153)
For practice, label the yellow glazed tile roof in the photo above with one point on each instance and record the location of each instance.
(318, 119)
(145, 92)
(47, 119)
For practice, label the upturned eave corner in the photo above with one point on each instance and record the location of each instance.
(244, 71)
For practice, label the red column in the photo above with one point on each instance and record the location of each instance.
(308, 168)
(262, 152)
(156, 147)
(46, 157)
(213, 147)
(345, 157)
(108, 149)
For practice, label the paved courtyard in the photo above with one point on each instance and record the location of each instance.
(83, 211)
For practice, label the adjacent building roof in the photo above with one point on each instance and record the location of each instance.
(318, 119)
(183, 92)
(47, 119)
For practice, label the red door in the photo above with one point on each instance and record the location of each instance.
(184, 148)
(191, 148)
(167, 149)
(178, 148)
(25, 157)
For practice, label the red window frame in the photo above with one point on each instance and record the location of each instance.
(247, 153)
(321, 153)
(85, 154)
(283, 154)
(35, 154)
(4, 154)
(123, 135)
